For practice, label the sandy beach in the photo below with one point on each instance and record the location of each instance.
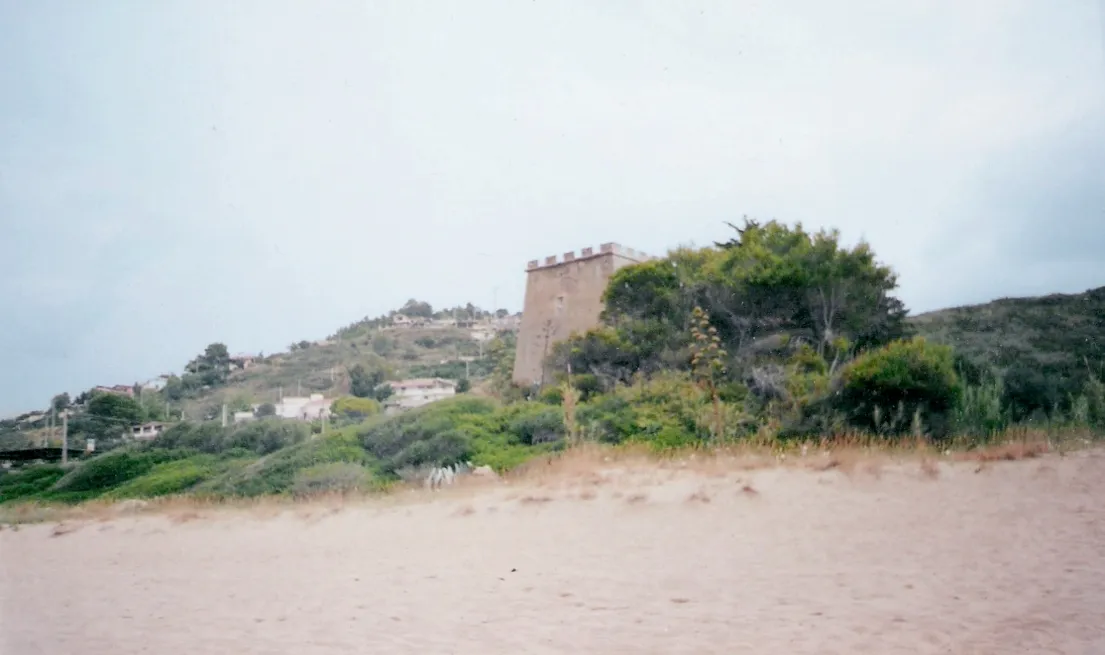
(876, 557)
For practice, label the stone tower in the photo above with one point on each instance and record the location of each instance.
(564, 296)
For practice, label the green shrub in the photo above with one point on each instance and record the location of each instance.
(884, 389)
(1094, 394)
(259, 437)
(608, 418)
(355, 409)
(340, 477)
(666, 411)
(550, 395)
(104, 472)
(28, 482)
(275, 473)
(267, 436)
(535, 423)
(169, 478)
(206, 437)
(430, 435)
(979, 412)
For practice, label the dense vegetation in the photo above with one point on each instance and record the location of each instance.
(783, 331)
(1044, 350)
(776, 334)
(281, 457)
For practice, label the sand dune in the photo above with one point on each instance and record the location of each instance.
(878, 558)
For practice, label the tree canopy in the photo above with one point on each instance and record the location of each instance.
(769, 285)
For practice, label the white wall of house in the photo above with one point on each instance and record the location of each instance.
(300, 408)
(409, 394)
(147, 430)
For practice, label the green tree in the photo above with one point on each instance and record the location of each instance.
(363, 380)
(212, 367)
(417, 308)
(174, 389)
(501, 351)
(464, 385)
(354, 408)
(266, 409)
(60, 401)
(771, 285)
(382, 345)
(383, 392)
(153, 407)
(109, 417)
(116, 407)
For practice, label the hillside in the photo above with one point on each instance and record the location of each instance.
(1059, 337)
(323, 367)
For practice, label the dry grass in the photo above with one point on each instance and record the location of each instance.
(589, 466)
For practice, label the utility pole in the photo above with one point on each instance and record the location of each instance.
(298, 388)
(64, 438)
(224, 415)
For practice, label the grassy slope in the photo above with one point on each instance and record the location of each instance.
(1056, 334)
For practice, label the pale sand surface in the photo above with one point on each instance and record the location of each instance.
(888, 559)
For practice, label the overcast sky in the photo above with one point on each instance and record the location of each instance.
(174, 173)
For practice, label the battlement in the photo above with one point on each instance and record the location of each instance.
(588, 253)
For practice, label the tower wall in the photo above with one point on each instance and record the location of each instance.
(563, 297)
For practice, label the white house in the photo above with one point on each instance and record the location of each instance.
(149, 430)
(300, 408)
(484, 333)
(156, 384)
(242, 361)
(409, 394)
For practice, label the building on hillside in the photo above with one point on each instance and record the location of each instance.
(242, 417)
(484, 332)
(156, 384)
(242, 361)
(31, 419)
(301, 408)
(120, 389)
(564, 296)
(508, 323)
(150, 430)
(408, 394)
(404, 321)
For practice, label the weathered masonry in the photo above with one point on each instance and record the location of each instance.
(564, 296)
